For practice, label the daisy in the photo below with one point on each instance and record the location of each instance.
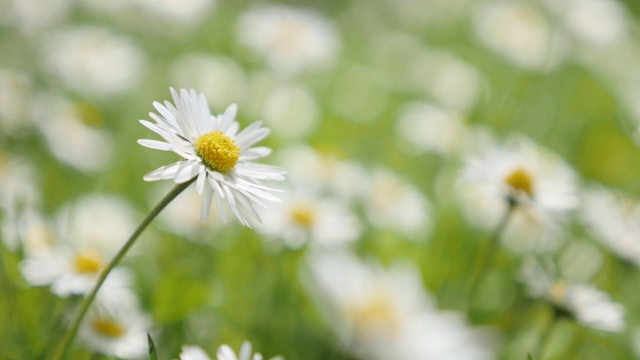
(380, 313)
(520, 33)
(290, 39)
(115, 325)
(214, 154)
(615, 221)
(88, 233)
(395, 204)
(224, 353)
(536, 185)
(306, 218)
(587, 305)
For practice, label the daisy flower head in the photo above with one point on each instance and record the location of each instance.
(587, 305)
(215, 154)
(224, 353)
(539, 188)
(615, 221)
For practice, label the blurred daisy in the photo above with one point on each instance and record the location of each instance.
(88, 233)
(587, 305)
(185, 12)
(594, 22)
(427, 127)
(29, 15)
(306, 218)
(93, 60)
(15, 100)
(615, 221)
(520, 33)
(73, 132)
(537, 184)
(221, 79)
(224, 353)
(291, 111)
(214, 153)
(290, 39)
(382, 313)
(395, 204)
(326, 171)
(19, 192)
(116, 327)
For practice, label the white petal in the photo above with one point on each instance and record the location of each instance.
(164, 172)
(187, 172)
(155, 144)
(206, 204)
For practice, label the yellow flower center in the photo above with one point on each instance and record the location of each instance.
(87, 262)
(217, 151)
(378, 312)
(109, 328)
(303, 215)
(520, 180)
(558, 292)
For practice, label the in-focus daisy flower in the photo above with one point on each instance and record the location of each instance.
(587, 305)
(380, 313)
(306, 218)
(614, 220)
(538, 186)
(224, 353)
(519, 32)
(214, 153)
(115, 325)
(291, 39)
(395, 204)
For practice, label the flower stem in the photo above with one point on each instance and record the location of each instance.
(543, 341)
(487, 255)
(71, 332)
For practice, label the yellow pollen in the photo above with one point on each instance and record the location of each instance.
(108, 328)
(521, 180)
(87, 262)
(303, 215)
(558, 292)
(377, 312)
(217, 151)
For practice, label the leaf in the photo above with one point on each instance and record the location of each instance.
(152, 348)
(529, 357)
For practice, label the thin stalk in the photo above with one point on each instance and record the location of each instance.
(486, 257)
(71, 333)
(543, 341)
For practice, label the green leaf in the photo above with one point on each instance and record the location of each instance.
(529, 357)
(152, 348)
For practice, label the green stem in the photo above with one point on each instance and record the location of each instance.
(71, 333)
(487, 256)
(543, 341)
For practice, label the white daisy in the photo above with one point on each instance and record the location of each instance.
(94, 61)
(115, 325)
(215, 155)
(615, 221)
(383, 314)
(291, 39)
(395, 204)
(520, 32)
(539, 186)
(224, 353)
(88, 234)
(306, 218)
(588, 305)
